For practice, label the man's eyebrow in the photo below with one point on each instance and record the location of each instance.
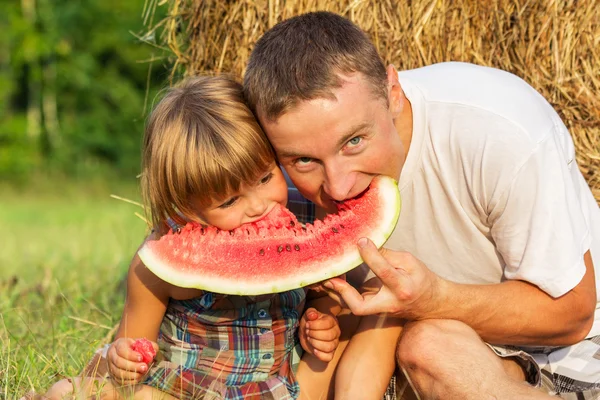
(353, 131)
(289, 154)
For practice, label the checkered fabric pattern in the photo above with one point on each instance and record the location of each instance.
(230, 347)
(571, 372)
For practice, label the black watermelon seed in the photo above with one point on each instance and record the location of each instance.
(280, 249)
(288, 247)
(334, 230)
(296, 247)
(262, 252)
(231, 233)
(292, 223)
(342, 226)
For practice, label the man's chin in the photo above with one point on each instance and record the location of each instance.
(325, 207)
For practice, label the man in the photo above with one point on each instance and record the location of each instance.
(492, 261)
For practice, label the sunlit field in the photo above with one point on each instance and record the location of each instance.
(63, 259)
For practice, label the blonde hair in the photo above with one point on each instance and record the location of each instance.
(201, 141)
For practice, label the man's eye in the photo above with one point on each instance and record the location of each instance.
(266, 178)
(303, 160)
(354, 141)
(229, 202)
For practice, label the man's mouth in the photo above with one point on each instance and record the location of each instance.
(351, 197)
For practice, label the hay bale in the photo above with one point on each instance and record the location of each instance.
(551, 44)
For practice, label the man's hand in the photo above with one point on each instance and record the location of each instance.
(319, 334)
(125, 365)
(410, 290)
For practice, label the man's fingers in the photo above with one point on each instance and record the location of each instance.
(349, 294)
(385, 271)
(333, 295)
(360, 304)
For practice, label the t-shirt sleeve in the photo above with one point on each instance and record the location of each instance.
(537, 222)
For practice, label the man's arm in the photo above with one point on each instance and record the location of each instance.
(512, 312)
(519, 313)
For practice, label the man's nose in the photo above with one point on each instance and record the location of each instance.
(338, 181)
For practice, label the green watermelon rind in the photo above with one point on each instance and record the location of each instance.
(392, 204)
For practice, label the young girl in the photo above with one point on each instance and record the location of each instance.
(206, 159)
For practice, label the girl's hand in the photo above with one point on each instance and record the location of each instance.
(319, 334)
(124, 364)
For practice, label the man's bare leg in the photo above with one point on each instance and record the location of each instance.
(446, 359)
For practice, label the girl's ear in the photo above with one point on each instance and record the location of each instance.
(395, 93)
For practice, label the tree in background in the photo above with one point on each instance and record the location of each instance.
(75, 85)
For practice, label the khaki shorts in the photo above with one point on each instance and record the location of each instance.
(571, 372)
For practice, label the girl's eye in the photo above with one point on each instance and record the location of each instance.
(229, 202)
(355, 141)
(266, 178)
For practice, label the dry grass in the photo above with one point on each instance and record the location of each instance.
(551, 44)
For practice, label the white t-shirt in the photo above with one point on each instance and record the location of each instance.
(490, 188)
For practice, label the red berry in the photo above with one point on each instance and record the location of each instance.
(145, 348)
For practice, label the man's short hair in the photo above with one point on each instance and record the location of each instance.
(303, 57)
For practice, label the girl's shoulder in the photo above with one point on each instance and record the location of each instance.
(181, 293)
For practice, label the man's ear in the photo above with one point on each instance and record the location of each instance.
(395, 92)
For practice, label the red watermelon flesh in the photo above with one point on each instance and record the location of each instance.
(145, 348)
(276, 253)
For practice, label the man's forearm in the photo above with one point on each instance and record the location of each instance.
(516, 312)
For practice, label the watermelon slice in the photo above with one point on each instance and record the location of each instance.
(276, 253)
(145, 348)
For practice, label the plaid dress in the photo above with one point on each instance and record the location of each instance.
(230, 347)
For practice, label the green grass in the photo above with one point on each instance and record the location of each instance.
(63, 259)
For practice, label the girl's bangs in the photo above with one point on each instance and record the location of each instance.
(224, 166)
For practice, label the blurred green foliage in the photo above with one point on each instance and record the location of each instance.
(76, 83)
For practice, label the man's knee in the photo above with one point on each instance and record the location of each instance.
(428, 343)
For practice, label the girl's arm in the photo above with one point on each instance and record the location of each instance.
(145, 306)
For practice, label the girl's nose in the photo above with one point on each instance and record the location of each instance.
(256, 206)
